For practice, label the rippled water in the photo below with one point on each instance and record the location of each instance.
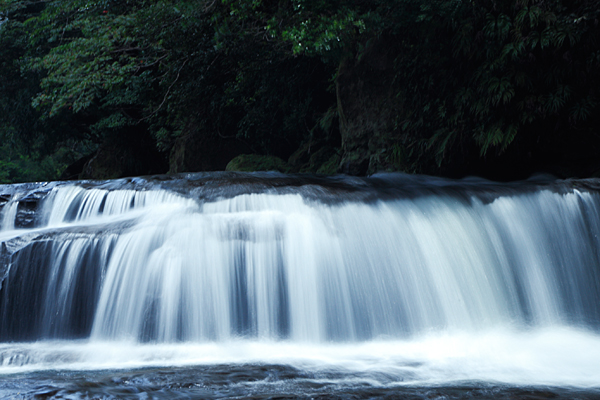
(253, 382)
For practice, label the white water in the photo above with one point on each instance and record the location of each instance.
(427, 290)
(9, 215)
(559, 356)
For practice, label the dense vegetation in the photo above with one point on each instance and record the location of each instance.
(124, 87)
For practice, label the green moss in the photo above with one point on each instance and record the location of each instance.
(256, 162)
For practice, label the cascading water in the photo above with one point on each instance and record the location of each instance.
(10, 214)
(423, 280)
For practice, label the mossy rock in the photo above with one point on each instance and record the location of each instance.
(256, 162)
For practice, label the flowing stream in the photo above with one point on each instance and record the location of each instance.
(264, 285)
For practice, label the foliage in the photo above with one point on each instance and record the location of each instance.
(164, 64)
(531, 62)
(31, 147)
(470, 79)
(469, 75)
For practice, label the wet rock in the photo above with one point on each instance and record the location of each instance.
(4, 198)
(28, 214)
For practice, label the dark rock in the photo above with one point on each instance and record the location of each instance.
(28, 214)
(331, 166)
(198, 151)
(255, 162)
(367, 108)
(116, 161)
(4, 198)
(109, 162)
(311, 157)
(319, 158)
(75, 170)
(301, 157)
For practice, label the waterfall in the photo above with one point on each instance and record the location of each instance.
(315, 262)
(9, 214)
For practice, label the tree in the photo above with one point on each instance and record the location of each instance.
(415, 85)
(32, 147)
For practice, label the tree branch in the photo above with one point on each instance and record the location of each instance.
(168, 91)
